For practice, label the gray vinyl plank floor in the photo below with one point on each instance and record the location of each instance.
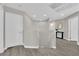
(64, 48)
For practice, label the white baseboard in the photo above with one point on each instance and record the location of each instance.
(71, 40)
(2, 50)
(77, 43)
(31, 46)
(54, 47)
(37, 47)
(68, 39)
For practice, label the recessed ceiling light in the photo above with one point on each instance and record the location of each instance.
(52, 24)
(45, 15)
(62, 14)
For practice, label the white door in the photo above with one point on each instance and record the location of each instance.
(73, 29)
(13, 29)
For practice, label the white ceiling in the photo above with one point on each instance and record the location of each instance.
(42, 11)
(66, 9)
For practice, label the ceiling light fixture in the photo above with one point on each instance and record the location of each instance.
(45, 15)
(51, 24)
(62, 14)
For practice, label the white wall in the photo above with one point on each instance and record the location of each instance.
(29, 40)
(65, 29)
(73, 28)
(44, 40)
(13, 29)
(78, 31)
(1, 30)
(52, 34)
